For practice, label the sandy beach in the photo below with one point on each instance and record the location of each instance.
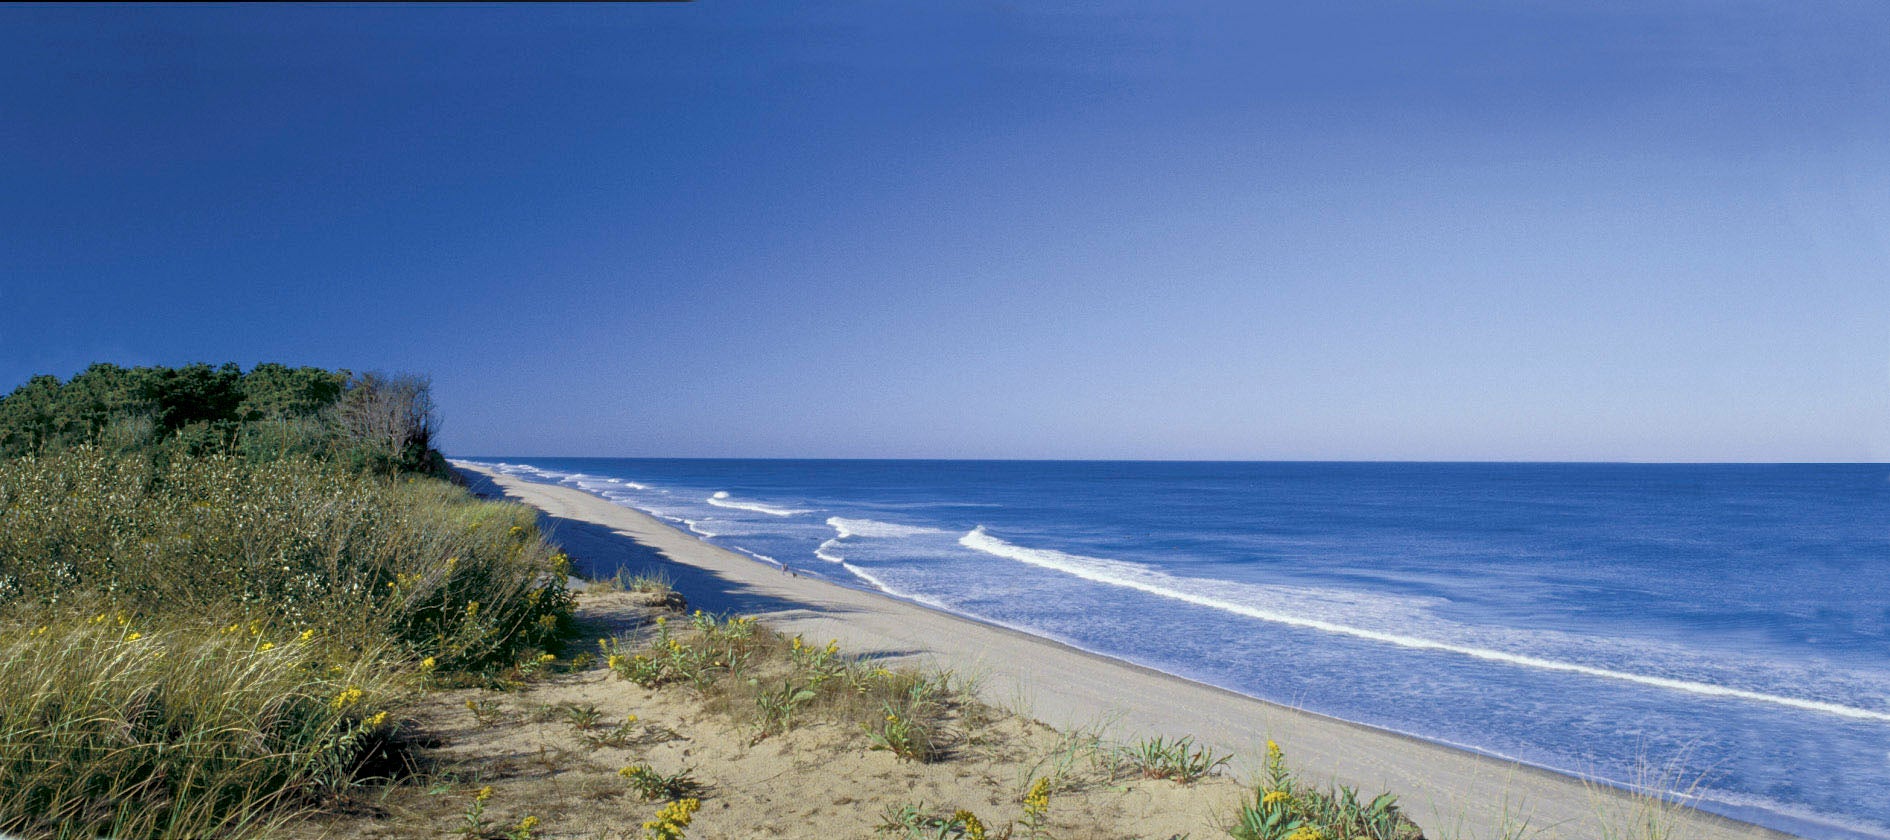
(1450, 792)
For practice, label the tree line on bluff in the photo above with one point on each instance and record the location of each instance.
(371, 421)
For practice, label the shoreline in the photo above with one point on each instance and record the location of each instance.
(1450, 790)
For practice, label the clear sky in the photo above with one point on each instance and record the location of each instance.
(1489, 231)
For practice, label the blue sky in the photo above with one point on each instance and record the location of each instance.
(1488, 231)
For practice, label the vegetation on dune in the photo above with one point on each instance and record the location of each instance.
(217, 588)
(371, 421)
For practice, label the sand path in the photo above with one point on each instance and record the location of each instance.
(1450, 792)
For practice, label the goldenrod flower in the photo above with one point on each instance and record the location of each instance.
(526, 825)
(307, 635)
(377, 719)
(1037, 800)
(134, 637)
(348, 697)
(1275, 796)
(547, 657)
(484, 793)
(266, 646)
(974, 827)
(427, 664)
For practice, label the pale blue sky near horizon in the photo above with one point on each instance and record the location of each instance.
(1439, 231)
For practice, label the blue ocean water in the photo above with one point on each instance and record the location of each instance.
(1587, 618)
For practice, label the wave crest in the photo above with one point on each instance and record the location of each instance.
(1201, 593)
(721, 499)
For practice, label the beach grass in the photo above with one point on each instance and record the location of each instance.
(199, 645)
(768, 682)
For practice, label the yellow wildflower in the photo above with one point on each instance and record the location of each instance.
(526, 825)
(484, 793)
(348, 697)
(1305, 832)
(307, 635)
(974, 827)
(377, 719)
(670, 822)
(1275, 796)
(472, 609)
(134, 637)
(547, 657)
(613, 662)
(630, 720)
(428, 664)
(266, 646)
(1037, 800)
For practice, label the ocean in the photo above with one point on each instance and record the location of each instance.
(1726, 625)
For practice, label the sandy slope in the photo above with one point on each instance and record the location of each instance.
(1449, 792)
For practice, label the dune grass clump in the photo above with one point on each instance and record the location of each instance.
(364, 558)
(1283, 808)
(772, 682)
(1179, 759)
(110, 727)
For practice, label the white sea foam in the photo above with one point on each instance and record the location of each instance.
(825, 551)
(1207, 593)
(883, 586)
(874, 528)
(721, 499)
(697, 529)
(759, 556)
(869, 528)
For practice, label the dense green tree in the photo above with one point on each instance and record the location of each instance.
(376, 422)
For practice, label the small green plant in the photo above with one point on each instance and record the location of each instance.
(486, 710)
(913, 821)
(777, 706)
(902, 736)
(1181, 760)
(473, 823)
(579, 717)
(654, 786)
(1282, 809)
(622, 735)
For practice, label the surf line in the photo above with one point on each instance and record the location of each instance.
(978, 540)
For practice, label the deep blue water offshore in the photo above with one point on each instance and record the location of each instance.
(1580, 617)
